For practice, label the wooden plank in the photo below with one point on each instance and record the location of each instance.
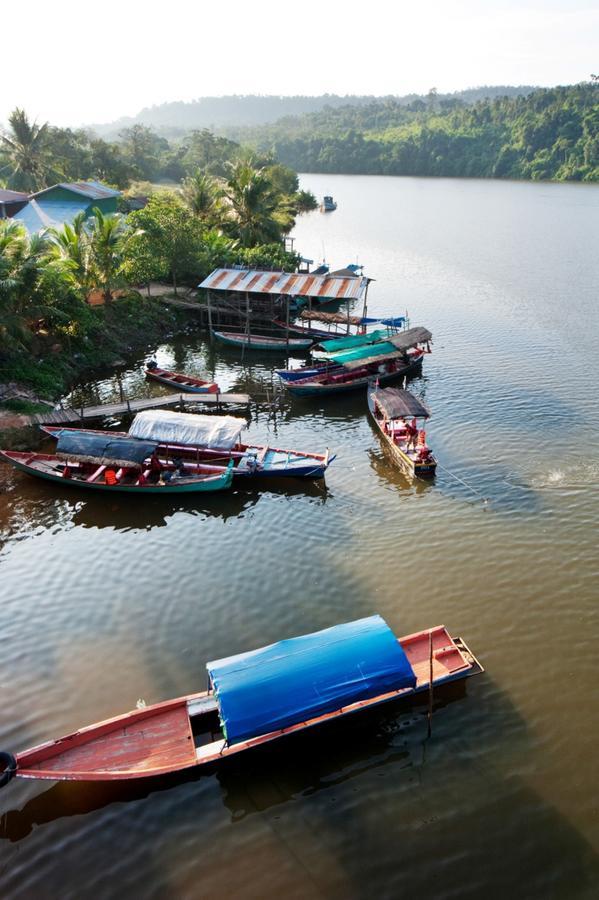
(114, 409)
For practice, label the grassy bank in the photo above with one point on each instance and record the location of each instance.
(52, 365)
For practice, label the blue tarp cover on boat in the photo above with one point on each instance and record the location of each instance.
(298, 679)
(102, 448)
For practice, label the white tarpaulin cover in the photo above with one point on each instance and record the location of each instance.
(187, 428)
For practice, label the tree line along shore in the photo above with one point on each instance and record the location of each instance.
(230, 207)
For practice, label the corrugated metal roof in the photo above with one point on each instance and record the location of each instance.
(334, 288)
(7, 196)
(93, 190)
(39, 214)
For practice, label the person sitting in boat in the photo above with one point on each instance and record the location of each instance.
(155, 466)
(252, 463)
(411, 434)
(180, 470)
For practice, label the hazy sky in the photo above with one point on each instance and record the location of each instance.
(81, 62)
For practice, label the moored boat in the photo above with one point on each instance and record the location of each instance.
(328, 204)
(260, 342)
(357, 375)
(312, 680)
(213, 440)
(187, 383)
(395, 413)
(93, 462)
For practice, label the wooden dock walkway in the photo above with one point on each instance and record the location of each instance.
(58, 416)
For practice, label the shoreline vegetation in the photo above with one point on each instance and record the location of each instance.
(212, 201)
(230, 207)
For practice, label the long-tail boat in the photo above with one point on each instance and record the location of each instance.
(356, 374)
(350, 362)
(188, 383)
(213, 440)
(260, 342)
(255, 698)
(395, 413)
(109, 463)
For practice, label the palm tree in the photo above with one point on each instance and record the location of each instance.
(70, 245)
(32, 285)
(256, 215)
(29, 165)
(203, 195)
(107, 238)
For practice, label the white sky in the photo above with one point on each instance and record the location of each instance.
(74, 62)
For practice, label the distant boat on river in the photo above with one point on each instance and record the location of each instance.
(328, 204)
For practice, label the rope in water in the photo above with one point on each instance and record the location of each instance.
(465, 483)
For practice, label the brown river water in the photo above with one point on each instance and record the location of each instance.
(105, 601)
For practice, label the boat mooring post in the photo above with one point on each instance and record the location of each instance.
(430, 683)
(287, 325)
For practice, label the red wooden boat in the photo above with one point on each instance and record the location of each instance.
(187, 383)
(357, 665)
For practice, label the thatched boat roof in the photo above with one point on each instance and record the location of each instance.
(397, 403)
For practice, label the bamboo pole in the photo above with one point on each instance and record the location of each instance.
(209, 316)
(287, 324)
(430, 683)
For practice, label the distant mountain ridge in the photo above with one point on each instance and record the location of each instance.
(234, 111)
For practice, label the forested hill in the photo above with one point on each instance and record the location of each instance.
(551, 133)
(218, 113)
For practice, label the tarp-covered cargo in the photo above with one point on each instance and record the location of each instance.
(354, 340)
(299, 679)
(167, 427)
(102, 449)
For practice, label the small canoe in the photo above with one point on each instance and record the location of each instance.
(391, 409)
(357, 665)
(186, 383)
(104, 476)
(259, 342)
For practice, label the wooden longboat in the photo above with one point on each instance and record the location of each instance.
(92, 476)
(249, 461)
(347, 379)
(187, 383)
(260, 342)
(206, 727)
(390, 410)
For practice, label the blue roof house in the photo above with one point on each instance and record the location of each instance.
(59, 204)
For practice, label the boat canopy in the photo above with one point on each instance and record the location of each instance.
(382, 348)
(299, 679)
(396, 403)
(411, 338)
(353, 340)
(102, 449)
(352, 364)
(187, 428)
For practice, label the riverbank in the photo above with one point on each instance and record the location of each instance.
(29, 381)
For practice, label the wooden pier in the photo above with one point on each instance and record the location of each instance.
(68, 414)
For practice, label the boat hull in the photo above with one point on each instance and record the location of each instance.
(401, 459)
(219, 481)
(275, 462)
(316, 388)
(181, 382)
(159, 739)
(256, 343)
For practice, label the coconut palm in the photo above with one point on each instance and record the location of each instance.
(70, 245)
(108, 237)
(29, 165)
(203, 195)
(255, 209)
(33, 286)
